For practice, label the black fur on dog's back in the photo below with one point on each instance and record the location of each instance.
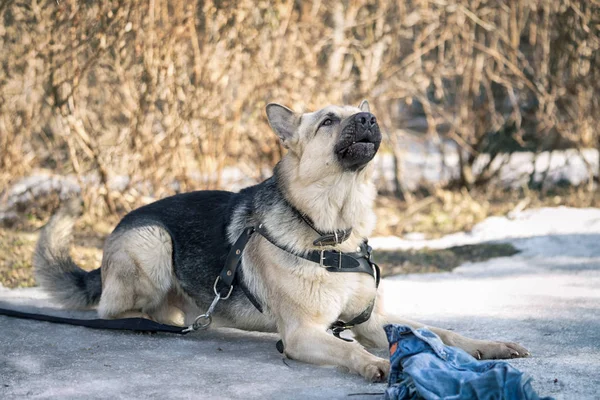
(197, 225)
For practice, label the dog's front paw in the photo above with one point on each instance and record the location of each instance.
(485, 350)
(376, 371)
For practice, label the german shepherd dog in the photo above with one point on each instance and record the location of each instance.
(161, 261)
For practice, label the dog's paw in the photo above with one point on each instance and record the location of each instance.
(485, 350)
(376, 371)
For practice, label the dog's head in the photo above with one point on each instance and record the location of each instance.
(333, 139)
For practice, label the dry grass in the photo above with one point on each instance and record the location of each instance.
(167, 93)
(16, 251)
(17, 244)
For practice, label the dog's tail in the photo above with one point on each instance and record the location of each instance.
(55, 271)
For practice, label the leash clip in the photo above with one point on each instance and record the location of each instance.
(203, 321)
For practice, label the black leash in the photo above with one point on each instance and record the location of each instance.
(123, 324)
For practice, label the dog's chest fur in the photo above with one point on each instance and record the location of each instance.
(289, 285)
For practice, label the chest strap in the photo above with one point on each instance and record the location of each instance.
(334, 261)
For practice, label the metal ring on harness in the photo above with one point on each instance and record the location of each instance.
(217, 292)
(198, 324)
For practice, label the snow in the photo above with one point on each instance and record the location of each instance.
(529, 225)
(547, 297)
(423, 162)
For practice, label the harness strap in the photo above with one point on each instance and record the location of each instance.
(247, 292)
(340, 326)
(233, 261)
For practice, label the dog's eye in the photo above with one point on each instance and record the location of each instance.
(331, 120)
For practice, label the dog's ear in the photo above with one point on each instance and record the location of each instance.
(364, 106)
(283, 121)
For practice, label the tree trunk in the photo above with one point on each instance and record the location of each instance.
(466, 171)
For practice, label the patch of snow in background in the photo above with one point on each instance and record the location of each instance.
(556, 272)
(35, 186)
(423, 162)
(539, 225)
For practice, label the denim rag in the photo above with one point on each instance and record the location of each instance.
(423, 367)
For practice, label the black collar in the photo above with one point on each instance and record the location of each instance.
(325, 238)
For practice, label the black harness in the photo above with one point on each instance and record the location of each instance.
(331, 260)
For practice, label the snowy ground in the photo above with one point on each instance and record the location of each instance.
(547, 298)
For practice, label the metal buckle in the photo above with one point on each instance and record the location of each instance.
(338, 329)
(369, 251)
(322, 258)
(217, 293)
(200, 323)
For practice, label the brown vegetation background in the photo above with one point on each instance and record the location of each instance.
(168, 93)
(142, 99)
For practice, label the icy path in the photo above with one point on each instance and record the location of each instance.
(547, 298)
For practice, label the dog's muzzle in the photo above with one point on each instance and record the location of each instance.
(359, 141)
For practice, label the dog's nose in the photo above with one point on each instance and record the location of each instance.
(365, 120)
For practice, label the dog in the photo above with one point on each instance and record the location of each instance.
(161, 260)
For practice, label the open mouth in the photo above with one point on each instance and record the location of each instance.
(361, 147)
(355, 155)
(358, 142)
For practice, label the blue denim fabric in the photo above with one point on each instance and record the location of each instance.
(423, 367)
